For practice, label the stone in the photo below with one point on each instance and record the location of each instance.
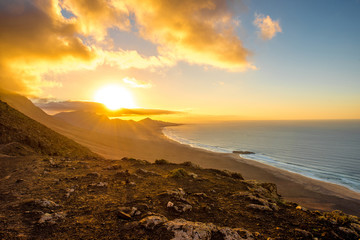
(113, 167)
(183, 208)
(303, 233)
(151, 222)
(134, 212)
(202, 195)
(93, 174)
(69, 191)
(144, 172)
(170, 204)
(124, 216)
(355, 226)
(100, 184)
(349, 231)
(46, 203)
(259, 207)
(183, 229)
(193, 175)
(51, 218)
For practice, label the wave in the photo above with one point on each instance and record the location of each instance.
(315, 172)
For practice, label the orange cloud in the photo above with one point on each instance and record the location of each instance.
(93, 18)
(199, 32)
(36, 39)
(268, 28)
(34, 36)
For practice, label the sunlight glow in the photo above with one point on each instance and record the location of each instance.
(115, 97)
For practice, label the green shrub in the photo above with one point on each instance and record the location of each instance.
(190, 164)
(178, 173)
(161, 162)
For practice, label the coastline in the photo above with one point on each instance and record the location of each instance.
(308, 192)
(269, 160)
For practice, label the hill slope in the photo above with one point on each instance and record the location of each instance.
(15, 127)
(102, 124)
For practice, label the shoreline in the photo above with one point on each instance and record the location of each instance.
(240, 156)
(307, 192)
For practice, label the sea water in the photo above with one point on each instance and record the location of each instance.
(324, 150)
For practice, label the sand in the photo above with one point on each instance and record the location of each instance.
(307, 192)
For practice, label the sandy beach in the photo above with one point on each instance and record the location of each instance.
(307, 192)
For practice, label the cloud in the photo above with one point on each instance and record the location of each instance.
(132, 82)
(36, 39)
(99, 108)
(34, 36)
(132, 59)
(95, 17)
(268, 28)
(200, 32)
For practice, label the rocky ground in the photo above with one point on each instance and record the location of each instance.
(54, 188)
(63, 198)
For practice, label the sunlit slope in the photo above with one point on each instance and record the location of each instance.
(15, 127)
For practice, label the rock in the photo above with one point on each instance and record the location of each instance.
(178, 193)
(124, 216)
(243, 152)
(303, 233)
(125, 209)
(131, 184)
(93, 175)
(245, 234)
(51, 218)
(355, 226)
(274, 206)
(113, 167)
(193, 175)
(45, 203)
(202, 195)
(46, 218)
(144, 172)
(100, 184)
(183, 208)
(151, 222)
(183, 229)
(349, 231)
(237, 176)
(259, 207)
(170, 204)
(257, 200)
(69, 191)
(135, 212)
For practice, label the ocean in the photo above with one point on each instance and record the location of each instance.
(323, 150)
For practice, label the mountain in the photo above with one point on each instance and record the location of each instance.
(21, 132)
(102, 124)
(25, 106)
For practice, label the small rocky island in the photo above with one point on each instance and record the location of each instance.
(243, 152)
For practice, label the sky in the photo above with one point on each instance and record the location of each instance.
(250, 59)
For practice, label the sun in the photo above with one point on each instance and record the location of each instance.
(115, 97)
